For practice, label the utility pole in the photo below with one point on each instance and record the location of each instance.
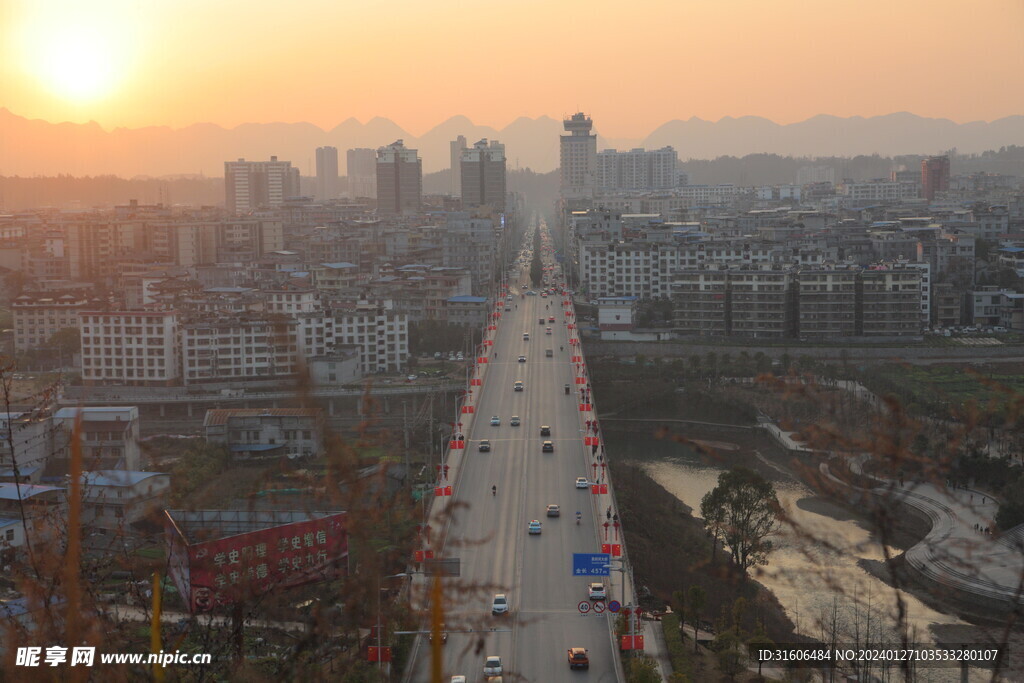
(405, 432)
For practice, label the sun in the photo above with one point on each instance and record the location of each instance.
(77, 63)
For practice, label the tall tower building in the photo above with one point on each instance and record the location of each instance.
(578, 157)
(361, 165)
(934, 176)
(249, 185)
(399, 179)
(483, 175)
(326, 173)
(457, 147)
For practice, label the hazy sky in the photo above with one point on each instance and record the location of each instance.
(631, 64)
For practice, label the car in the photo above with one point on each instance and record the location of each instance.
(544, 295)
(500, 604)
(540, 321)
(531, 293)
(582, 483)
(551, 318)
(492, 666)
(515, 422)
(495, 421)
(534, 526)
(508, 297)
(437, 355)
(485, 446)
(578, 658)
(412, 378)
(526, 336)
(458, 679)
(545, 430)
(522, 359)
(554, 510)
(547, 447)
(518, 385)
(596, 591)
(547, 330)
(507, 309)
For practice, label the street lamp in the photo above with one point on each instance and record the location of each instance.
(613, 568)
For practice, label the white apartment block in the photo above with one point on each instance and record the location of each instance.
(880, 190)
(136, 348)
(637, 169)
(617, 269)
(108, 436)
(37, 318)
(381, 335)
(292, 301)
(32, 440)
(253, 347)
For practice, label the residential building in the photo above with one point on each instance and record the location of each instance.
(637, 169)
(134, 348)
(457, 146)
(339, 368)
(266, 432)
(399, 180)
(38, 317)
(326, 173)
(467, 310)
(108, 436)
(578, 158)
(760, 303)
(250, 185)
(32, 438)
(483, 176)
(616, 316)
(381, 334)
(826, 303)
(890, 302)
(984, 306)
(471, 244)
(699, 301)
(115, 499)
(361, 164)
(934, 176)
(946, 305)
(879, 190)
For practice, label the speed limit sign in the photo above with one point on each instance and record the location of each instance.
(584, 606)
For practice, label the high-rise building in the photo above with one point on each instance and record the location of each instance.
(326, 173)
(399, 179)
(637, 169)
(483, 175)
(249, 185)
(362, 172)
(457, 147)
(578, 157)
(934, 176)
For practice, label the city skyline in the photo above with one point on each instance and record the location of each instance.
(128, 65)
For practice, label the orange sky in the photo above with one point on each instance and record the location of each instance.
(631, 65)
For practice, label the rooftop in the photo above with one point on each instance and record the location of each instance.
(221, 416)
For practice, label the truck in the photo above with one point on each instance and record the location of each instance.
(578, 658)
(549, 353)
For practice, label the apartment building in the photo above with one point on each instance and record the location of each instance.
(471, 244)
(946, 305)
(482, 173)
(399, 180)
(879, 190)
(250, 185)
(760, 303)
(266, 432)
(890, 304)
(700, 302)
(381, 334)
(637, 169)
(37, 317)
(28, 441)
(108, 436)
(133, 348)
(826, 303)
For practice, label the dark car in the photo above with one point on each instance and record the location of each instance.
(540, 321)
(547, 447)
(485, 446)
(545, 430)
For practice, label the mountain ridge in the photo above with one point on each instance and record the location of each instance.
(38, 147)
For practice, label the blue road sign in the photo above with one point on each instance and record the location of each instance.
(590, 564)
(614, 606)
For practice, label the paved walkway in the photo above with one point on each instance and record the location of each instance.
(956, 552)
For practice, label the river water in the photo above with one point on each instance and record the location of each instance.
(804, 575)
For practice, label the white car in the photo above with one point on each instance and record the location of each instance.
(492, 666)
(500, 604)
(458, 679)
(522, 359)
(582, 483)
(535, 526)
(596, 591)
(495, 421)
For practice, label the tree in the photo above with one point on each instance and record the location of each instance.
(743, 507)
(698, 598)
(712, 509)
(67, 341)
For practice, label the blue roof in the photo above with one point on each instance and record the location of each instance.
(616, 298)
(254, 447)
(339, 264)
(10, 491)
(466, 299)
(1012, 250)
(228, 290)
(117, 477)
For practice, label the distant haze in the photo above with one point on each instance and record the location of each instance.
(32, 147)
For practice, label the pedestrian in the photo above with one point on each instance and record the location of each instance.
(984, 500)
(608, 512)
(972, 497)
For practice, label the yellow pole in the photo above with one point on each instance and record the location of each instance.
(154, 630)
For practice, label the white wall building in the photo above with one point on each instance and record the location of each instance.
(578, 158)
(381, 335)
(637, 169)
(113, 499)
(109, 436)
(136, 348)
(37, 318)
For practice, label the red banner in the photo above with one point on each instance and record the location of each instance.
(468, 409)
(584, 407)
(616, 550)
(598, 488)
(476, 382)
(632, 643)
(456, 444)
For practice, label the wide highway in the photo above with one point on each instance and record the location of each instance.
(489, 533)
